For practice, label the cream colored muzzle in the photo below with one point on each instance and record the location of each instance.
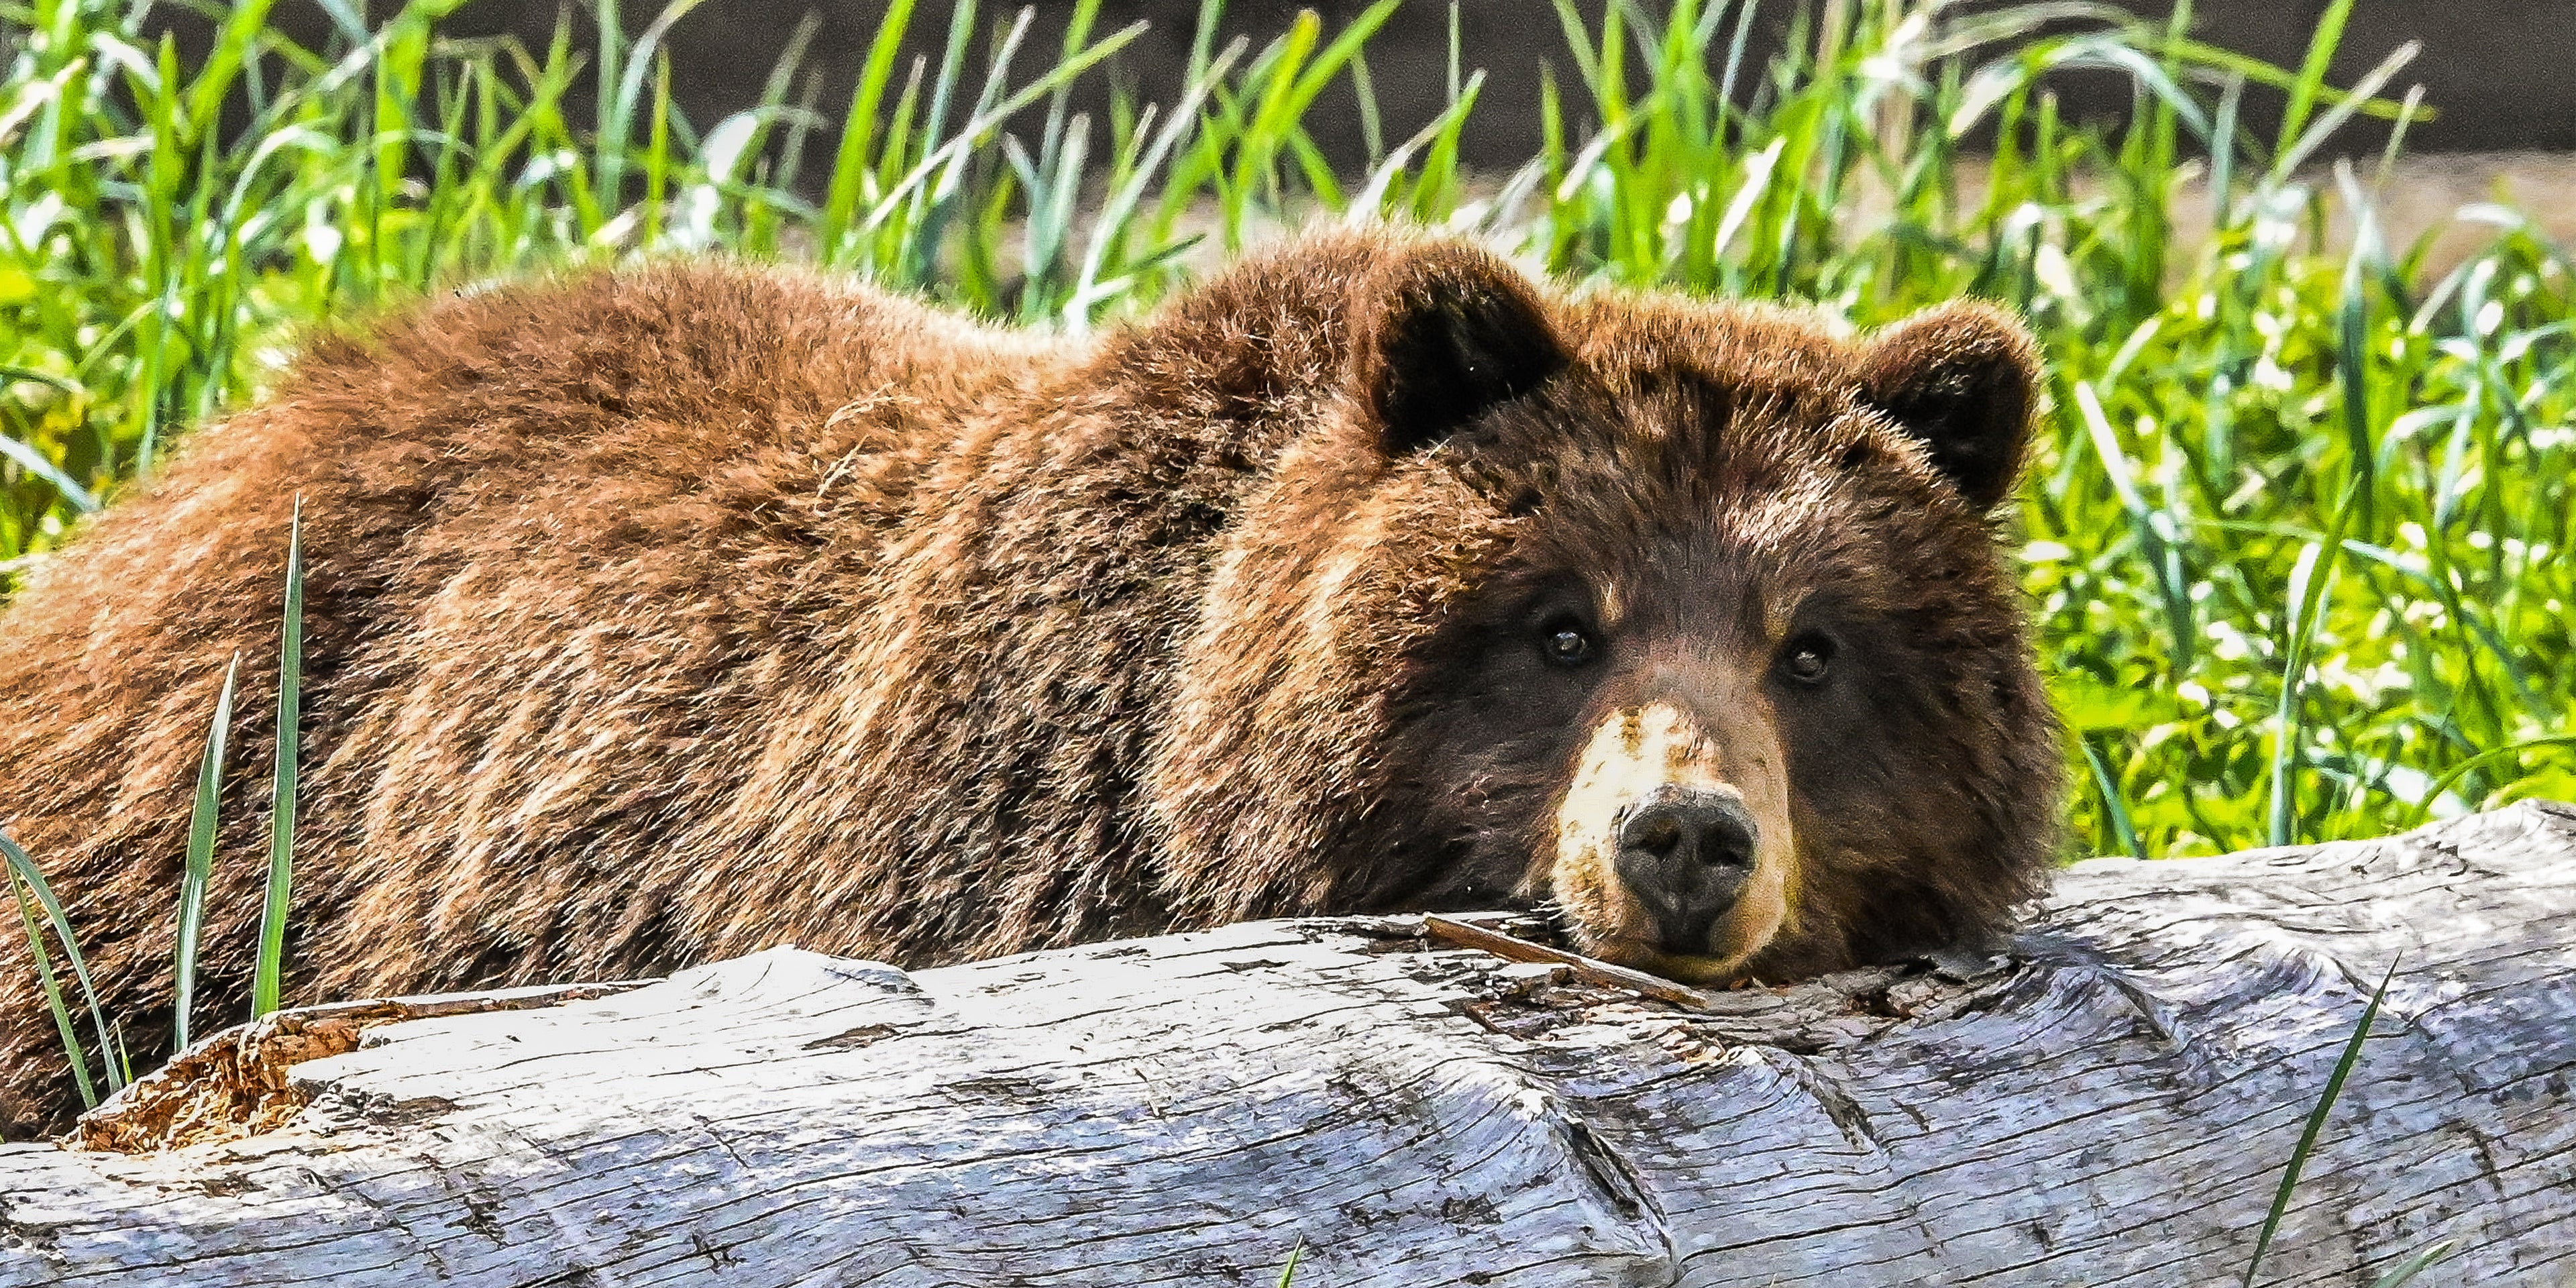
(1669, 857)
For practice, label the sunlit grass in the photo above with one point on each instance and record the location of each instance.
(2295, 537)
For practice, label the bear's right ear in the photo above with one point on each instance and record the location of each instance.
(1963, 379)
(1443, 334)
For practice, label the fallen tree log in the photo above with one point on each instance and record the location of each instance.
(2113, 1102)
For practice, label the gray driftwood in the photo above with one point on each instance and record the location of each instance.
(2111, 1104)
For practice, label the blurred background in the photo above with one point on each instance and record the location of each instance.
(2500, 74)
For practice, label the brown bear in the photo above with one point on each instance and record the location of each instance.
(661, 615)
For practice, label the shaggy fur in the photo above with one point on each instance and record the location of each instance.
(666, 615)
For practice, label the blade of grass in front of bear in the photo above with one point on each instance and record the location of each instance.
(2316, 1124)
(43, 964)
(2415, 1265)
(26, 881)
(1296, 1253)
(281, 827)
(201, 860)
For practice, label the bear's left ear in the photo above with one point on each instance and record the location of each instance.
(1444, 333)
(1964, 379)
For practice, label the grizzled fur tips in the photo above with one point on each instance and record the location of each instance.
(662, 615)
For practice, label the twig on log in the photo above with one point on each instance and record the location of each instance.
(1590, 970)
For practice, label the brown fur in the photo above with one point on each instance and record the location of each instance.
(663, 616)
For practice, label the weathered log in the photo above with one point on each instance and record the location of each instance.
(2111, 1103)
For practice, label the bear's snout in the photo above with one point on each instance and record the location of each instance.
(1687, 854)
(1673, 850)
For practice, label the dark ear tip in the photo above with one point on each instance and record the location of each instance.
(1443, 332)
(1964, 378)
(1419, 272)
(1947, 341)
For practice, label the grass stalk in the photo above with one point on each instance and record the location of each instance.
(2315, 1126)
(268, 966)
(201, 860)
(33, 894)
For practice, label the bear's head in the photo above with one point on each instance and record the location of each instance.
(1684, 620)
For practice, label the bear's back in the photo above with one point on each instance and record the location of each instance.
(554, 533)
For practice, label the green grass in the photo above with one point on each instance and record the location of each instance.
(26, 880)
(269, 963)
(28, 887)
(2295, 538)
(2315, 1126)
(202, 820)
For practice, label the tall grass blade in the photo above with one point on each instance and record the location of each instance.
(2364, 94)
(268, 968)
(2480, 763)
(1111, 225)
(2311, 581)
(850, 166)
(2316, 1124)
(1296, 1253)
(950, 154)
(201, 859)
(2311, 79)
(27, 881)
(34, 463)
(43, 964)
(2114, 808)
(2415, 1265)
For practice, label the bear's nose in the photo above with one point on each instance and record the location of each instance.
(1686, 854)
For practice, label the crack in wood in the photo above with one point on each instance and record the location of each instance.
(2108, 1101)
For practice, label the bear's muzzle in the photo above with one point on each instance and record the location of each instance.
(1673, 847)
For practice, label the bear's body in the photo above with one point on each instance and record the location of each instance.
(660, 617)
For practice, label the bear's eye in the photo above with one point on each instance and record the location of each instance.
(1808, 658)
(1565, 642)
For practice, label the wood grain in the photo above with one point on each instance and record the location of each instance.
(2110, 1105)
